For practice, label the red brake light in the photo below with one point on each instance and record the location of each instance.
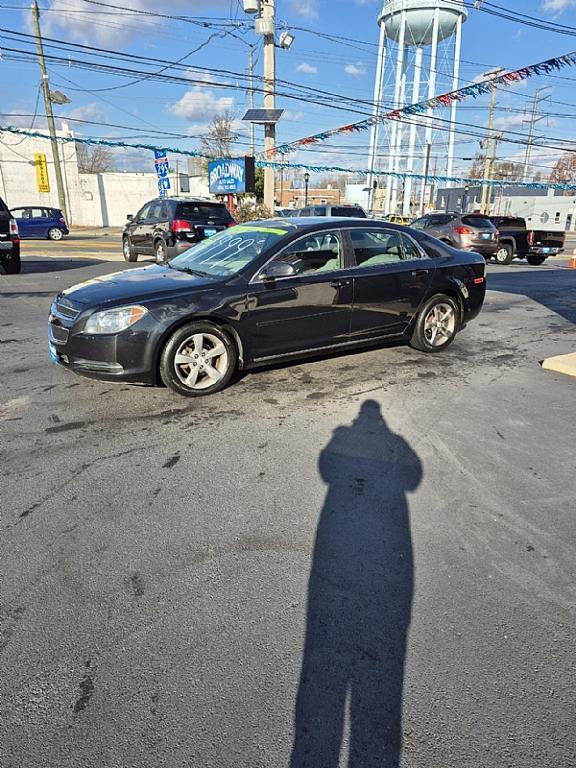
(478, 280)
(463, 231)
(62, 220)
(531, 237)
(231, 224)
(13, 228)
(179, 225)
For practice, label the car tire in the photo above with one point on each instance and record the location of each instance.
(160, 252)
(504, 254)
(437, 324)
(10, 265)
(128, 250)
(185, 365)
(55, 233)
(535, 260)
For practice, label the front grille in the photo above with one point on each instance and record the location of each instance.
(65, 311)
(58, 334)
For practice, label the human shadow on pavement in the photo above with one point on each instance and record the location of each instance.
(359, 600)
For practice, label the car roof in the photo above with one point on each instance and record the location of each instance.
(314, 223)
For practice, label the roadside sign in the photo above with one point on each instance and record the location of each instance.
(42, 180)
(162, 171)
(228, 176)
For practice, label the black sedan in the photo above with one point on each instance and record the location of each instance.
(263, 292)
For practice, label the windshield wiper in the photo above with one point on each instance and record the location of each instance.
(191, 271)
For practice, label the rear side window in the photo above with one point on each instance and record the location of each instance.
(198, 213)
(480, 222)
(320, 210)
(347, 210)
(511, 223)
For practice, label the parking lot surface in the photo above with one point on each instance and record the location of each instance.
(324, 561)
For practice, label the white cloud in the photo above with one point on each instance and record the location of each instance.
(200, 104)
(307, 69)
(80, 22)
(510, 121)
(90, 111)
(355, 70)
(293, 117)
(557, 6)
(307, 9)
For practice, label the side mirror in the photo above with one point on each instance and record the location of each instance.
(277, 269)
(130, 217)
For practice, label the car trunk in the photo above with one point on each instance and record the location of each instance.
(547, 239)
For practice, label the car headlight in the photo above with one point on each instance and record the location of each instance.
(114, 320)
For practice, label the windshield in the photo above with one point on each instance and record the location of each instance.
(230, 251)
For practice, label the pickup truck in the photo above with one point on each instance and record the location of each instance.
(534, 245)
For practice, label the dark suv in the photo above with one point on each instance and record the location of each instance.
(333, 210)
(9, 242)
(466, 231)
(165, 227)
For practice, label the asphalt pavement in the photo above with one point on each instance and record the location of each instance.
(366, 560)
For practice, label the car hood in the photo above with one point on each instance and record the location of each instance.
(134, 285)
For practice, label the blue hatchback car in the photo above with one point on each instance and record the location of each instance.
(38, 221)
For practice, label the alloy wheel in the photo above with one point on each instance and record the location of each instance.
(55, 234)
(440, 324)
(201, 361)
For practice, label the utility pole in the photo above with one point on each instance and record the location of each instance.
(492, 174)
(252, 148)
(268, 15)
(49, 114)
(425, 180)
(487, 158)
(535, 117)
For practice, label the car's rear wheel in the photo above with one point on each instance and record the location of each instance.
(199, 359)
(10, 264)
(437, 324)
(54, 233)
(161, 252)
(128, 250)
(504, 254)
(535, 260)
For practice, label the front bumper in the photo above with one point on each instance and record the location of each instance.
(125, 356)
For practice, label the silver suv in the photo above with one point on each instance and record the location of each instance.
(466, 231)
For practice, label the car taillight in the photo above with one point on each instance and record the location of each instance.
(531, 237)
(179, 225)
(62, 220)
(13, 228)
(463, 231)
(231, 224)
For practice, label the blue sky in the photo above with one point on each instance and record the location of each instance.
(345, 68)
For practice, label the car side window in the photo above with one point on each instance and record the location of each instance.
(305, 212)
(143, 213)
(313, 254)
(38, 213)
(376, 247)
(16, 212)
(155, 210)
(411, 250)
(320, 210)
(420, 223)
(26, 213)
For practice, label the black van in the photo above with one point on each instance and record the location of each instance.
(9, 242)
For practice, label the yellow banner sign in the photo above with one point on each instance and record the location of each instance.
(42, 179)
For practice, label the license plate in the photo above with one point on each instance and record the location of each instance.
(487, 236)
(4, 246)
(52, 353)
(209, 231)
(548, 250)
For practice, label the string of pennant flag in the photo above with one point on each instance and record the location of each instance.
(292, 166)
(443, 100)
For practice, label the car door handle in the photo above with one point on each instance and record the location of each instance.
(419, 272)
(340, 283)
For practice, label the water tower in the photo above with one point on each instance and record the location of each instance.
(418, 58)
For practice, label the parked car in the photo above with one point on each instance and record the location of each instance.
(166, 227)
(9, 242)
(39, 221)
(534, 245)
(465, 231)
(263, 292)
(333, 210)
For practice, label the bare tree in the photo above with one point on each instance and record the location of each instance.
(94, 159)
(218, 141)
(564, 171)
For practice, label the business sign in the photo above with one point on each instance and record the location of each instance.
(42, 180)
(231, 176)
(162, 171)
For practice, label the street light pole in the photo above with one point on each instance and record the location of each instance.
(306, 182)
(268, 14)
(49, 113)
(251, 96)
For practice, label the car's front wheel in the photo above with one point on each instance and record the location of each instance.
(54, 233)
(437, 324)
(128, 250)
(199, 359)
(535, 260)
(504, 254)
